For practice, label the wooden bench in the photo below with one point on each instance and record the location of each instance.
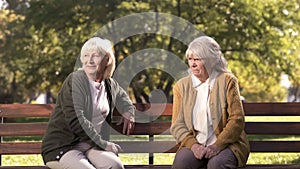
(161, 115)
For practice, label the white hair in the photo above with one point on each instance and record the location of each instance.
(104, 47)
(208, 50)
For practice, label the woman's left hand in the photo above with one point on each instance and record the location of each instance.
(212, 150)
(128, 123)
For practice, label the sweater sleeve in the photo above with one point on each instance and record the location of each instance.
(123, 102)
(179, 130)
(235, 115)
(176, 103)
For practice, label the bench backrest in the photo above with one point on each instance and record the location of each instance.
(10, 126)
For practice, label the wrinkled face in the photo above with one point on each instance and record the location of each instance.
(90, 60)
(197, 67)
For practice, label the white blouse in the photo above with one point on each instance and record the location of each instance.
(100, 104)
(201, 112)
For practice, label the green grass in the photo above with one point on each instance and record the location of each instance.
(167, 158)
(22, 160)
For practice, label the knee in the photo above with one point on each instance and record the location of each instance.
(220, 163)
(113, 164)
(177, 164)
(184, 160)
(117, 165)
(214, 164)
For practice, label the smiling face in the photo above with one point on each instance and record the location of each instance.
(197, 67)
(90, 61)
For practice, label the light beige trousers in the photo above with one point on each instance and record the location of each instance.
(78, 158)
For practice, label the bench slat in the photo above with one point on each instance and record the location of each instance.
(154, 147)
(272, 109)
(155, 128)
(128, 147)
(25, 110)
(20, 148)
(23, 129)
(275, 146)
(148, 147)
(272, 128)
(251, 109)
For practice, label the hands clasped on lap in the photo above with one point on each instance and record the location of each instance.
(205, 152)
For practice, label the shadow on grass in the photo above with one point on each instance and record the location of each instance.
(296, 161)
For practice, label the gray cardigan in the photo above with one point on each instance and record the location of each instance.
(70, 122)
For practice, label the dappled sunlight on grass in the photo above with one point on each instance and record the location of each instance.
(164, 158)
(274, 158)
(22, 160)
(134, 158)
(160, 158)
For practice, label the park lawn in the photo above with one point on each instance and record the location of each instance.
(167, 158)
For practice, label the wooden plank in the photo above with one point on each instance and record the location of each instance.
(272, 109)
(127, 146)
(25, 110)
(44, 110)
(153, 147)
(155, 128)
(20, 148)
(38, 129)
(152, 110)
(148, 147)
(272, 128)
(23, 129)
(275, 146)
(254, 128)
(251, 109)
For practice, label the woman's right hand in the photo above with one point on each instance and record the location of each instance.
(112, 147)
(198, 150)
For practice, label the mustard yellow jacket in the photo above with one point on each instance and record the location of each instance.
(226, 112)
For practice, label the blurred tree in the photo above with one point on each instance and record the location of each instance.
(41, 40)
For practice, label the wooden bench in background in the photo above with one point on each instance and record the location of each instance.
(11, 127)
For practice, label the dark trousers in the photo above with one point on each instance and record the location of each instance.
(185, 159)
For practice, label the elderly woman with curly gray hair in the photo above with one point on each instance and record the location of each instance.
(208, 117)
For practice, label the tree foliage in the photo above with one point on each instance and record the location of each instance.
(41, 40)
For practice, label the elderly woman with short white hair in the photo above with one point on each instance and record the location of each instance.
(77, 136)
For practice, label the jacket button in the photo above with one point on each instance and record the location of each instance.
(57, 157)
(61, 152)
